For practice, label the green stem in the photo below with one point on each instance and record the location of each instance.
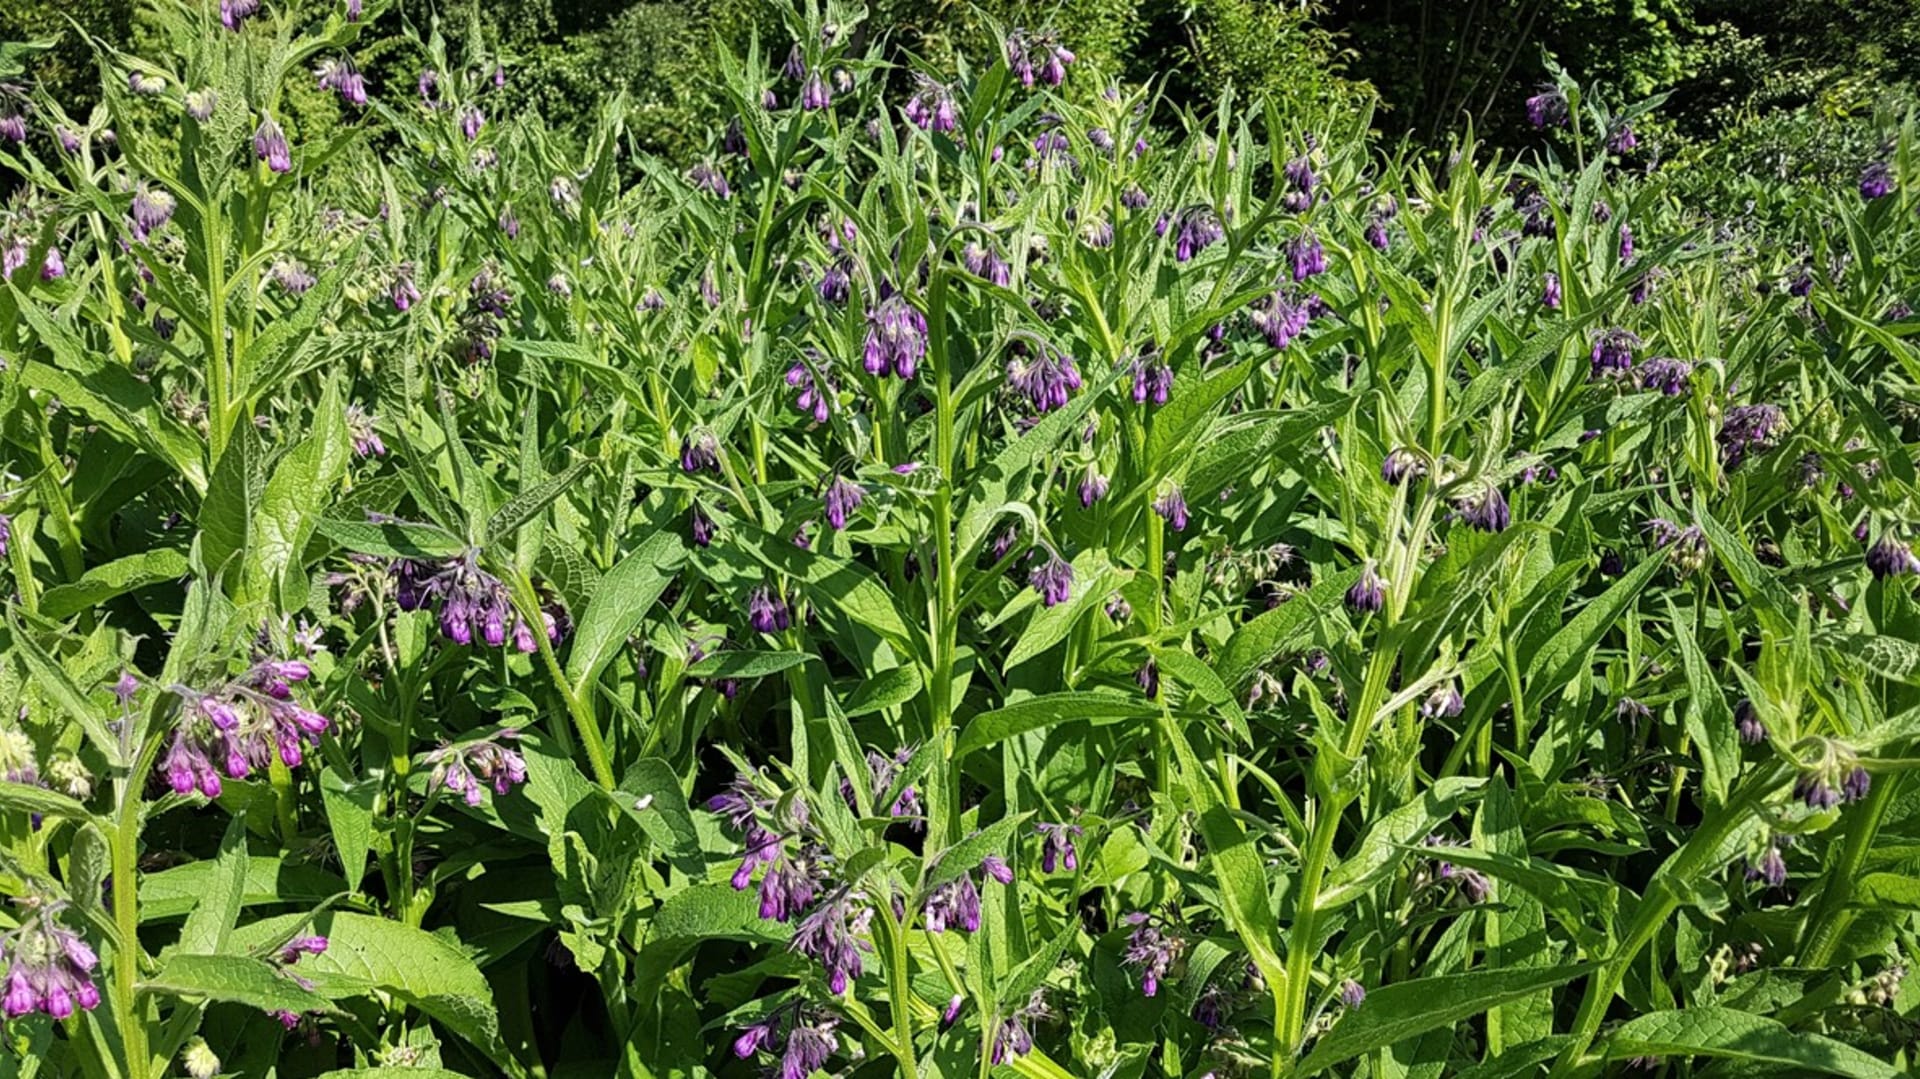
(900, 995)
(583, 721)
(1831, 916)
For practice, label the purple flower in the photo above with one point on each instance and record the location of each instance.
(469, 769)
(983, 261)
(1377, 233)
(1011, 1038)
(1148, 679)
(473, 603)
(1368, 594)
(1771, 868)
(701, 526)
(814, 94)
(1152, 380)
(955, 904)
(1486, 511)
(1037, 56)
(1306, 255)
(811, 398)
(1548, 108)
(1749, 429)
(1622, 140)
(270, 146)
(700, 450)
(842, 498)
(766, 610)
(1172, 506)
(1300, 177)
(1053, 579)
(836, 282)
(1046, 380)
(152, 208)
(1056, 846)
(1198, 229)
(235, 13)
(1626, 244)
(1352, 994)
(471, 121)
(49, 970)
(1445, 702)
(360, 428)
(1813, 789)
(1400, 464)
(1149, 950)
(343, 78)
(1746, 720)
(1613, 353)
(795, 69)
(703, 176)
(1550, 294)
(896, 338)
(1133, 198)
(1664, 373)
(831, 935)
(1093, 486)
(402, 291)
(1284, 316)
(1876, 180)
(931, 108)
(1889, 558)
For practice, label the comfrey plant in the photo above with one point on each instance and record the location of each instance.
(967, 567)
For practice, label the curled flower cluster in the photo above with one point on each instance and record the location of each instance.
(1686, 548)
(802, 1037)
(470, 767)
(956, 904)
(1747, 430)
(1195, 229)
(237, 728)
(1283, 316)
(1613, 353)
(896, 338)
(473, 603)
(1151, 950)
(931, 108)
(1667, 375)
(1014, 1037)
(1485, 509)
(882, 771)
(981, 260)
(342, 78)
(49, 969)
(1889, 558)
(1835, 779)
(1046, 379)
(1037, 56)
(1053, 579)
(1056, 843)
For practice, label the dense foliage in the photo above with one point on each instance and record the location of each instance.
(963, 577)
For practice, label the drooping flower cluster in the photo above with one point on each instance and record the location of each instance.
(1484, 509)
(1667, 375)
(270, 146)
(1746, 430)
(474, 604)
(1548, 108)
(1151, 950)
(981, 260)
(1686, 548)
(238, 727)
(1171, 505)
(1152, 379)
(1053, 579)
(802, 1037)
(49, 968)
(896, 337)
(468, 768)
(956, 904)
(1876, 180)
(366, 438)
(488, 304)
(843, 497)
(1613, 353)
(1196, 229)
(1040, 56)
(767, 610)
(1470, 883)
(1045, 377)
(1835, 778)
(1056, 845)
(342, 78)
(1306, 255)
(1889, 557)
(931, 108)
(1013, 1037)
(882, 771)
(1368, 594)
(1300, 183)
(290, 953)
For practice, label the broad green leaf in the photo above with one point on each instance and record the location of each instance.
(1709, 721)
(622, 599)
(301, 487)
(1035, 713)
(52, 680)
(218, 909)
(747, 664)
(393, 539)
(103, 582)
(365, 954)
(239, 979)
(1268, 634)
(1394, 1013)
(349, 809)
(233, 495)
(966, 855)
(1564, 656)
(1736, 1035)
(1387, 841)
(26, 798)
(890, 688)
(664, 815)
(170, 893)
(523, 507)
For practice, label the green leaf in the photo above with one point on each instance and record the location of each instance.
(1564, 657)
(365, 954)
(886, 689)
(620, 602)
(169, 893)
(238, 979)
(1093, 579)
(393, 539)
(24, 798)
(849, 588)
(1736, 1035)
(665, 819)
(1394, 1013)
(747, 664)
(226, 514)
(391, 1072)
(218, 908)
(523, 507)
(349, 809)
(122, 575)
(1709, 722)
(302, 485)
(1387, 841)
(1035, 713)
(1189, 409)
(1267, 635)
(1892, 658)
(51, 679)
(966, 854)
